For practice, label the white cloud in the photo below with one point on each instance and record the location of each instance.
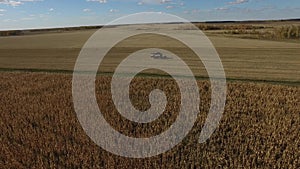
(113, 10)
(100, 1)
(238, 2)
(31, 0)
(2, 10)
(9, 20)
(16, 2)
(195, 11)
(155, 1)
(165, 1)
(86, 10)
(42, 15)
(11, 3)
(28, 18)
(51, 9)
(169, 7)
(222, 9)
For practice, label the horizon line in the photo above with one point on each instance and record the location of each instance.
(101, 25)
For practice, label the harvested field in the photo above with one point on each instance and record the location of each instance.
(243, 59)
(39, 129)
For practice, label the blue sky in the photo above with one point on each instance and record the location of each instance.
(21, 14)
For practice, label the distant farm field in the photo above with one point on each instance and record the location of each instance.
(249, 59)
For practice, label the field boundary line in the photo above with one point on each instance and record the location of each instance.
(149, 75)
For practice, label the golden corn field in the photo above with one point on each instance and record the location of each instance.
(39, 129)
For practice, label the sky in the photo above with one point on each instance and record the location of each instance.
(29, 14)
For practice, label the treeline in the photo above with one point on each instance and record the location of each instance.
(216, 27)
(228, 27)
(11, 33)
(36, 31)
(274, 33)
(288, 32)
